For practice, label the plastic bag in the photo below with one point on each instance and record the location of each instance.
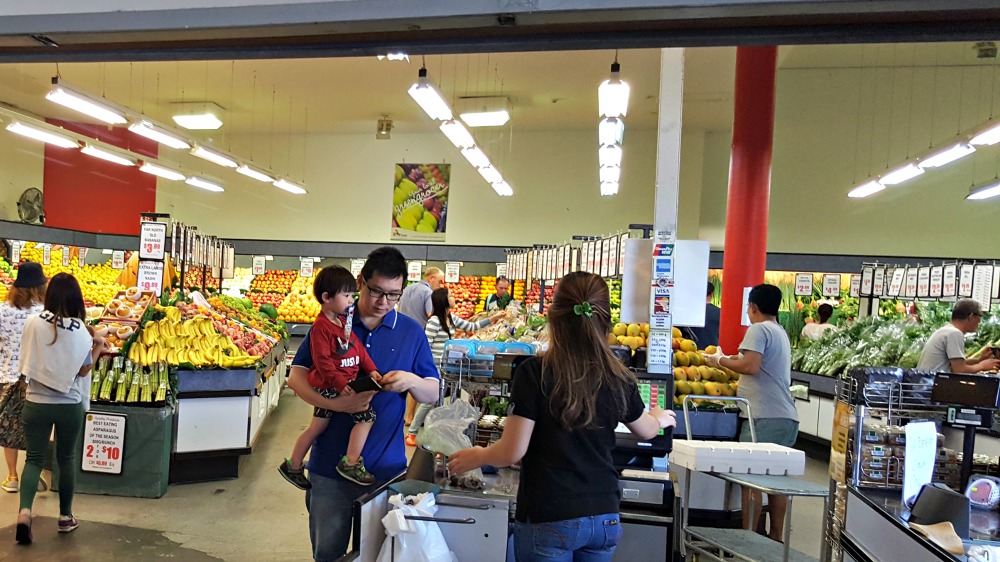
(445, 432)
(409, 540)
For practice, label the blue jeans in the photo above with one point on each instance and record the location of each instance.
(330, 503)
(585, 539)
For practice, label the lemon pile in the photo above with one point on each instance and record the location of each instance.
(300, 305)
(97, 282)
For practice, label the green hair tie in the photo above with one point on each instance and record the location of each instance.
(583, 309)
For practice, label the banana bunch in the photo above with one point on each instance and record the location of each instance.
(192, 341)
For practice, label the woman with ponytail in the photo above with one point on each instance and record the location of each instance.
(565, 407)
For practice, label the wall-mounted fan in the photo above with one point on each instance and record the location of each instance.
(29, 206)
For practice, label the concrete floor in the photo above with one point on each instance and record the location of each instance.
(256, 517)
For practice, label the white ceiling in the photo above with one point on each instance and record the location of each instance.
(547, 90)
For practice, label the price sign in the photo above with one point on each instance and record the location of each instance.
(118, 259)
(501, 270)
(855, 285)
(15, 251)
(910, 289)
(924, 282)
(896, 285)
(451, 270)
(306, 267)
(259, 265)
(613, 261)
(965, 280)
(150, 276)
(937, 275)
(996, 282)
(152, 240)
(66, 255)
(803, 284)
(949, 281)
(356, 266)
(605, 257)
(621, 254)
(982, 285)
(831, 285)
(47, 254)
(103, 443)
(81, 256)
(878, 286)
(865, 284)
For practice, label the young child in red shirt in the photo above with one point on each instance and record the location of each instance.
(338, 356)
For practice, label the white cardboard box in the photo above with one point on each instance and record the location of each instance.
(738, 457)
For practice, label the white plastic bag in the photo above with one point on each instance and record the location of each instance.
(445, 427)
(413, 541)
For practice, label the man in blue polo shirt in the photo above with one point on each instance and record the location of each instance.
(400, 351)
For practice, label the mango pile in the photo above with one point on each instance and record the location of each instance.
(693, 376)
(632, 335)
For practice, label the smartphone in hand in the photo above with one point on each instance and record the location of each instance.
(364, 384)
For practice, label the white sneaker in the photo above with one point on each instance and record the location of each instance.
(10, 485)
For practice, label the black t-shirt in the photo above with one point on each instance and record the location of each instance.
(566, 474)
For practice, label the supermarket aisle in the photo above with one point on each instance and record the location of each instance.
(256, 517)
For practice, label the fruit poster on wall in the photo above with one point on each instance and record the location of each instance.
(420, 202)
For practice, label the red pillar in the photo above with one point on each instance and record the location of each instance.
(749, 186)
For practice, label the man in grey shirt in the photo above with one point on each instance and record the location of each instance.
(765, 363)
(416, 299)
(944, 352)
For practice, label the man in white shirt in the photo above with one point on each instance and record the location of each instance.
(944, 352)
(416, 299)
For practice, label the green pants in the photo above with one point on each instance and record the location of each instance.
(38, 420)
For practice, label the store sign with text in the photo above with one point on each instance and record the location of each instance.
(103, 443)
(420, 202)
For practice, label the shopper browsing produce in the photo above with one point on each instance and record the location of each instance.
(416, 299)
(944, 352)
(766, 357)
(817, 330)
(24, 299)
(566, 405)
(56, 355)
(337, 357)
(502, 297)
(399, 349)
(438, 331)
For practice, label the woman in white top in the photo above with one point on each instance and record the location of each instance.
(24, 299)
(817, 330)
(439, 329)
(57, 352)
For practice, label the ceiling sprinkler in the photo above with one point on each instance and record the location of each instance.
(384, 128)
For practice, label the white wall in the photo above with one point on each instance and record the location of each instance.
(21, 164)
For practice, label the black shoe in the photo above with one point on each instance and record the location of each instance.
(296, 478)
(23, 533)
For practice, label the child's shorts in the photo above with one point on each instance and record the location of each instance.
(367, 416)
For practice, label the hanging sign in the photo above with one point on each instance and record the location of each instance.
(878, 285)
(831, 285)
(259, 265)
(855, 285)
(803, 284)
(501, 270)
(306, 267)
(103, 443)
(605, 257)
(81, 256)
(896, 285)
(15, 252)
(996, 282)
(46, 254)
(615, 270)
(910, 289)
(66, 254)
(923, 282)
(867, 277)
(982, 285)
(356, 266)
(152, 240)
(965, 280)
(660, 318)
(150, 276)
(451, 270)
(949, 284)
(937, 274)
(420, 202)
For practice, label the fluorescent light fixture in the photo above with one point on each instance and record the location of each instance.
(43, 135)
(91, 150)
(503, 189)
(610, 131)
(610, 156)
(946, 156)
(476, 157)
(394, 57)
(457, 134)
(79, 102)
(899, 175)
(198, 121)
(491, 175)
(158, 170)
(152, 132)
(865, 189)
(257, 175)
(609, 188)
(290, 187)
(206, 185)
(987, 191)
(486, 118)
(429, 98)
(612, 95)
(212, 156)
(987, 137)
(611, 174)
